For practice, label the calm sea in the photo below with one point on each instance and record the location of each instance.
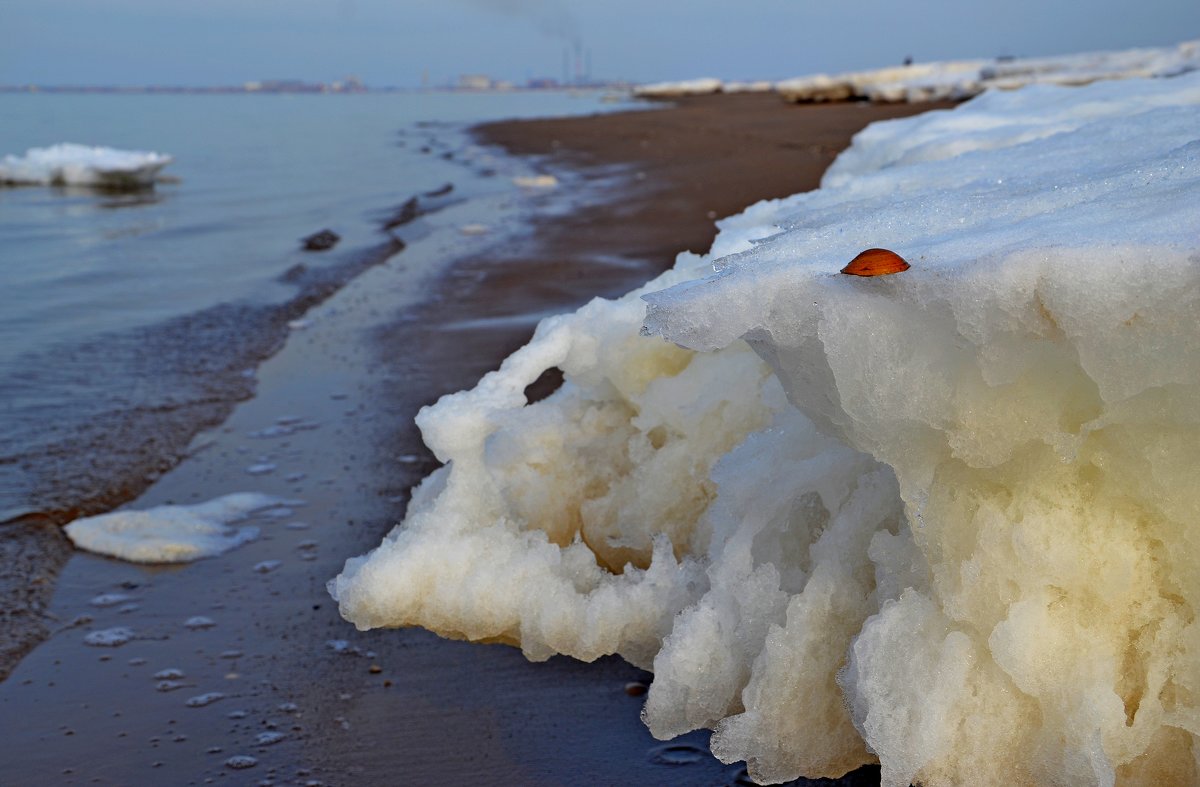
(128, 322)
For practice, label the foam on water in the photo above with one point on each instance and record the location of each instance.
(945, 519)
(171, 534)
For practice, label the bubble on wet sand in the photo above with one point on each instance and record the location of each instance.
(109, 599)
(109, 638)
(199, 622)
(240, 762)
(201, 700)
(268, 738)
(281, 512)
(678, 754)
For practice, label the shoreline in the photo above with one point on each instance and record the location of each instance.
(399, 701)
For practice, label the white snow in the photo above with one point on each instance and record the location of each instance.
(69, 164)
(946, 519)
(172, 534)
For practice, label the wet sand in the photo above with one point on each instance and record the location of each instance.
(306, 696)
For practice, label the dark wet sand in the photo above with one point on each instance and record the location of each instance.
(396, 707)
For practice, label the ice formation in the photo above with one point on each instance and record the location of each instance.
(953, 79)
(959, 79)
(689, 87)
(171, 534)
(946, 519)
(80, 165)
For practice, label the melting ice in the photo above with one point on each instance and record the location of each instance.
(80, 165)
(945, 519)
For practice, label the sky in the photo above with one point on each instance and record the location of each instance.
(405, 42)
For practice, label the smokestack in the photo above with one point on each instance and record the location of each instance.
(566, 66)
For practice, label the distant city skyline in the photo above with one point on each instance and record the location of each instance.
(409, 43)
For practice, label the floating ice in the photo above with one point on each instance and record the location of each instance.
(80, 165)
(946, 519)
(171, 534)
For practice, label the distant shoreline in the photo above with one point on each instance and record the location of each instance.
(299, 89)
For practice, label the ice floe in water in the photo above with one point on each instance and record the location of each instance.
(81, 165)
(172, 534)
(946, 519)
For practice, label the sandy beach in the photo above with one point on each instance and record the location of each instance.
(244, 655)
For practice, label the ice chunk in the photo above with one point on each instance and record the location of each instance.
(69, 164)
(944, 518)
(689, 87)
(171, 534)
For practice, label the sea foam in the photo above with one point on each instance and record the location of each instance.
(172, 534)
(81, 165)
(944, 519)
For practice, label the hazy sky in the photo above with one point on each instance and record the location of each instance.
(396, 42)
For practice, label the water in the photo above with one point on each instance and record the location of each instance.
(128, 322)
